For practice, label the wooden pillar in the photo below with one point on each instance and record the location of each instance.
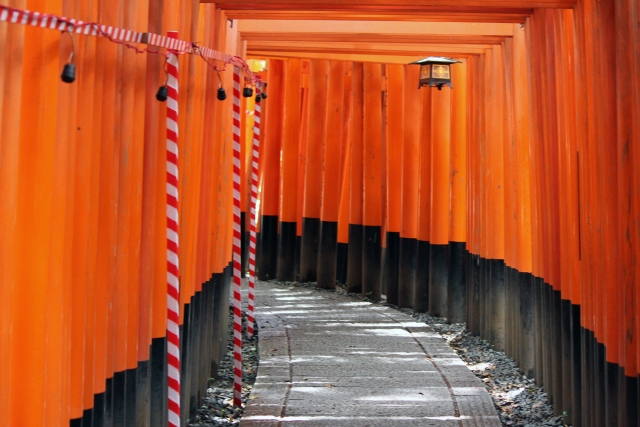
(421, 297)
(269, 206)
(394, 137)
(372, 166)
(318, 73)
(354, 267)
(289, 172)
(328, 243)
(440, 200)
(458, 224)
(411, 136)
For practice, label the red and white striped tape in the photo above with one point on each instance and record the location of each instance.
(173, 270)
(254, 217)
(237, 283)
(118, 35)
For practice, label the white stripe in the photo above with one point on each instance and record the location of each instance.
(173, 373)
(25, 17)
(174, 395)
(172, 168)
(172, 235)
(172, 147)
(4, 15)
(172, 349)
(172, 304)
(172, 257)
(173, 328)
(172, 126)
(174, 418)
(172, 190)
(172, 213)
(172, 281)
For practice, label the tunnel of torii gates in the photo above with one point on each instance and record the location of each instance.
(510, 202)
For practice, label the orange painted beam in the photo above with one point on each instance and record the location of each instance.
(477, 15)
(388, 5)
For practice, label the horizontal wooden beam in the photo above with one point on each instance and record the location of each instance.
(375, 27)
(252, 36)
(383, 59)
(417, 50)
(420, 15)
(390, 5)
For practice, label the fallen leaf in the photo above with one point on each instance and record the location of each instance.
(329, 385)
(537, 405)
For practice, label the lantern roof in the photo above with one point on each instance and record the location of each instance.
(435, 60)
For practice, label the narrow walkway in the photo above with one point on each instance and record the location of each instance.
(327, 360)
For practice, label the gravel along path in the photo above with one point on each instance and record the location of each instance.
(518, 400)
(217, 408)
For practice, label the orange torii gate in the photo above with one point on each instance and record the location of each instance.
(510, 202)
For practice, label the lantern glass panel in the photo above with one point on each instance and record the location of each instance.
(425, 71)
(440, 72)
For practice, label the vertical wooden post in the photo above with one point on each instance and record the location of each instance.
(394, 128)
(421, 297)
(327, 250)
(411, 135)
(318, 73)
(289, 172)
(268, 239)
(372, 218)
(440, 200)
(458, 225)
(354, 267)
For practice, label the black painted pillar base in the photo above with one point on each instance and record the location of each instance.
(407, 271)
(392, 266)
(354, 259)
(627, 399)
(421, 290)
(600, 384)
(575, 418)
(119, 399)
(267, 254)
(296, 269)
(286, 252)
(371, 257)
(309, 249)
(565, 332)
(327, 255)
(611, 393)
(158, 381)
(143, 390)
(456, 301)
(438, 279)
(473, 293)
(527, 333)
(539, 327)
(342, 262)
(497, 304)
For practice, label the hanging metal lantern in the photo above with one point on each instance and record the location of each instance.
(435, 71)
(247, 92)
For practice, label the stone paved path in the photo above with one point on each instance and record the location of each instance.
(328, 360)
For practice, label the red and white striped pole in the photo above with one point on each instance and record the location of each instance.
(237, 283)
(254, 216)
(173, 271)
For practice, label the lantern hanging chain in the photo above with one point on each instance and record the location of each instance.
(26, 17)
